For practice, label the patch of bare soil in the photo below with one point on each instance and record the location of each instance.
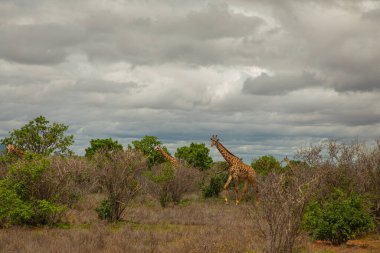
(370, 244)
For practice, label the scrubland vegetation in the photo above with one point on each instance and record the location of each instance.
(131, 200)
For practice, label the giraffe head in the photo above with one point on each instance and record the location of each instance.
(10, 148)
(158, 147)
(214, 140)
(286, 159)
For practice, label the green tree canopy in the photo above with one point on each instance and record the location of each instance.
(266, 164)
(102, 144)
(197, 155)
(38, 136)
(147, 146)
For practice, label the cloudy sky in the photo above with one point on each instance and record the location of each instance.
(267, 76)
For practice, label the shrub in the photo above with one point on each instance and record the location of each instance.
(171, 184)
(23, 195)
(68, 179)
(353, 167)
(13, 210)
(104, 210)
(161, 176)
(283, 199)
(185, 181)
(215, 186)
(118, 175)
(339, 218)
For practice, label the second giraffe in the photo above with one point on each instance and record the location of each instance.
(173, 161)
(236, 170)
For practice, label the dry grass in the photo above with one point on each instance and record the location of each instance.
(194, 226)
(198, 226)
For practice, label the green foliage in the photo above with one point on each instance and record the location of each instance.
(13, 210)
(38, 136)
(147, 146)
(196, 155)
(266, 164)
(108, 145)
(162, 177)
(215, 186)
(46, 212)
(339, 218)
(170, 185)
(23, 201)
(104, 210)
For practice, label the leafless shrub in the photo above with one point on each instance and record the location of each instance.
(68, 179)
(119, 175)
(186, 180)
(283, 199)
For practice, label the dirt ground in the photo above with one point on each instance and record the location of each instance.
(369, 244)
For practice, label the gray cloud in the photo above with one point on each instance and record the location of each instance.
(38, 44)
(280, 84)
(183, 70)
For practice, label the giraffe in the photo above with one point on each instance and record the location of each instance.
(11, 149)
(237, 170)
(173, 161)
(288, 162)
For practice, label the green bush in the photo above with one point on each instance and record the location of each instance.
(12, 209)
(215, 186)
(104, 210)
(161, 176)
(339, 218)
(23, 196)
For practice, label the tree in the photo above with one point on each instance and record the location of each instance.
(147, 146)
(196, 155)
(266, 164)
(102, 144)
(38, 136)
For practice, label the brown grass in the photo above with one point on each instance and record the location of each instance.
(193, 226)
(198, 226)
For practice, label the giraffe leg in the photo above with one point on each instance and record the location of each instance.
(236, 181)
(255, 189)
(245, 188)
(225, 188)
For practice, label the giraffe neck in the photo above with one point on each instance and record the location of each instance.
(228, 156)
(169, 157)
(289, 164)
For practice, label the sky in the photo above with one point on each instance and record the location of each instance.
(268, 77)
